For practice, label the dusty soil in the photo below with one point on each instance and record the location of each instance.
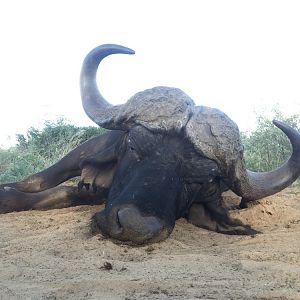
(52, 255)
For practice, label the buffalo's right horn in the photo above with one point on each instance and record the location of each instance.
(94, 104)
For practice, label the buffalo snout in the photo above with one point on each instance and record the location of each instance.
(126, 223)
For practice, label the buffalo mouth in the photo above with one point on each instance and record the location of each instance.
(127, 224)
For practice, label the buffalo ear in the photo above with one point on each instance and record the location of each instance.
(98, 171)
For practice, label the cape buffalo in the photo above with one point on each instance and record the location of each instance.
(163, 159)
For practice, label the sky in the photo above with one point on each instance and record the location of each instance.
(239, 56)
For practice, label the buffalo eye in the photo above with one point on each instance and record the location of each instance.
(133, 150)
(130, 146)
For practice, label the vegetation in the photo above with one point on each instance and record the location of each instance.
(39, 149)
(265, 148)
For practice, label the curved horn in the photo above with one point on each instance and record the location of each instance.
(94, 104)
(260, 185)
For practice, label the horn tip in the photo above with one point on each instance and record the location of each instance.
(119, 49)
(277, 123)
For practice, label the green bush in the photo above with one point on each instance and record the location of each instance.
(267, 147)
(39, 149)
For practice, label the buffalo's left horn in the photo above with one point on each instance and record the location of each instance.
(255, 186)
(94, 104)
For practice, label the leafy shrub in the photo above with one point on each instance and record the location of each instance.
(267, 147)
(39, 149)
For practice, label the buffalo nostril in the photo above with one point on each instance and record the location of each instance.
(136, 227)
(108, 225)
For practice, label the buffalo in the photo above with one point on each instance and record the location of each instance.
(164, 158)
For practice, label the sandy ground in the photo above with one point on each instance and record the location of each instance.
(52, 255)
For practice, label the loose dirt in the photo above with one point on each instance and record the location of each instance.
(52, 255)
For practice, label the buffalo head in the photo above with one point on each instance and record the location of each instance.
(172, 158)
(157, 176)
